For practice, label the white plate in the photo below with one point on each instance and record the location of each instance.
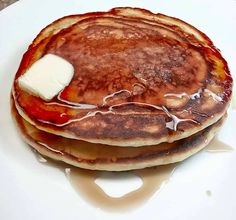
(30, 190)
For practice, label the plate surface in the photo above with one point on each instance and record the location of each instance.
(31, 190)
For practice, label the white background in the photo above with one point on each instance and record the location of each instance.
(30, 190)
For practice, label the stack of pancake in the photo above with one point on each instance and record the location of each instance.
(147, 90)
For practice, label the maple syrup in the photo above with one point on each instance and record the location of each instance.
(83, 181)
(154, 178)
(216, 146)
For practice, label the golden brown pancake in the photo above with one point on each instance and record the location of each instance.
(112, 158)
(140, 79)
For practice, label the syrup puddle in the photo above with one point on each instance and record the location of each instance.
(153, 179)
(84, 183)
(216, 146)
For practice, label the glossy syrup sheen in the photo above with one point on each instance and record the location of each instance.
(125, 66)
(114, 158)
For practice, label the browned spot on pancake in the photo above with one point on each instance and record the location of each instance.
(125, 65)
(98, 155)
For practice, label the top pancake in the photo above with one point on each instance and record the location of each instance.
(140, 79)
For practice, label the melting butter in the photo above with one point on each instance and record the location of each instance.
(47, 76)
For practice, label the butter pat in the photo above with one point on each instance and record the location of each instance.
(47, 76)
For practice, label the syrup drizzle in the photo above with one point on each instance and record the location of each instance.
(193, 96)
(89, 114)
(114, 94)
(177, 95)
(111, 108)
(50, 148)
(75, 104)
(173, 125)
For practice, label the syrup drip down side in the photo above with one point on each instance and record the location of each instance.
(114, 158)
(154, 179)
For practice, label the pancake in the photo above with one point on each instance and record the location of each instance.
(112, 158)
(140, 79)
